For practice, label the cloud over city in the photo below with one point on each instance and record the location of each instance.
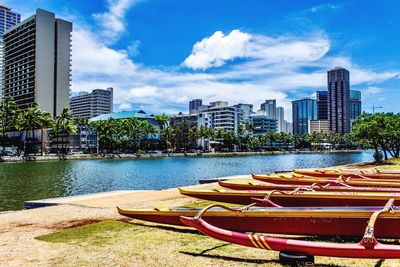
(237, 66)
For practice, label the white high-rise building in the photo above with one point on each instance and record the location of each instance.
(8, 19)
(37, 62)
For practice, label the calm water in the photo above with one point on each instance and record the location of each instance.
(29, 181)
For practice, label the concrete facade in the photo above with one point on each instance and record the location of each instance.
(89, 105)
(8, 19)
(37, 63)
(318, 126)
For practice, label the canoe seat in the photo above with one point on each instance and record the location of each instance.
(161, 208)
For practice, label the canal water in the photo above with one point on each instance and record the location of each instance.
(34, 180)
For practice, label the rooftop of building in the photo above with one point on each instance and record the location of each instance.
(4, 7)
(140, 114)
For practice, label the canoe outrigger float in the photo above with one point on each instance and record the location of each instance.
(341, 181)
(296, 198)
(255, 185)
(370, 173)
(307, 221)
(368, 247)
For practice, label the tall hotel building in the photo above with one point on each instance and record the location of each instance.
(89, 105)
(339, 100)
(8, 19)
(37, 62)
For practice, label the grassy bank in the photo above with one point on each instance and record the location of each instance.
(129, 244)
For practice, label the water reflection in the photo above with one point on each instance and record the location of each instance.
(27, 181)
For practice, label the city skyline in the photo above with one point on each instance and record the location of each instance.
(241, 60)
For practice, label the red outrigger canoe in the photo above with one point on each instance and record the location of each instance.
(258, 185)
(295, 198)
(368, 247)
(369, 173)
(342, 181)
(327, 221)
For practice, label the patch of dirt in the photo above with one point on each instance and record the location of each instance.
(72, 224)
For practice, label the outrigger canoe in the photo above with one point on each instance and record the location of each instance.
(370, 173)
(308, 221)
(308, 180)
(368, 247)
(255, 185)
(298, 198)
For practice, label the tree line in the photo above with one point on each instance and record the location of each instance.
(28, 121)
(380, 131)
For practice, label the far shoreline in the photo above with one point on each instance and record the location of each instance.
(49, 158)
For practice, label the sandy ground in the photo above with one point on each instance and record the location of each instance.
(19, 228)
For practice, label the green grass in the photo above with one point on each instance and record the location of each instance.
(98, 230)
(119, 243)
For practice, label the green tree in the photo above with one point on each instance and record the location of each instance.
(8, 118)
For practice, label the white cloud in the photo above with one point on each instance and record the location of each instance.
(113, 21)
(215, 50)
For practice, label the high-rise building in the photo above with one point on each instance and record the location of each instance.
(262, 123)
(269, 106)
(194, 105)
(355, 104)
(303, 110)
(318, 126)
(280, 119)
(339, 100)
(8, 19)
(322, 103)
(246, 110)
(89, 105)
(37, 62)
(222, 116)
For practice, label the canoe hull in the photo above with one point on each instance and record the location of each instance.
(276, 222)
(270, 186)
(302, 199)
(357, 250)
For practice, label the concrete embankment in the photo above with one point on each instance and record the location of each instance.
(149, 156)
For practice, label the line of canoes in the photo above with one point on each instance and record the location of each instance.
(320, 202)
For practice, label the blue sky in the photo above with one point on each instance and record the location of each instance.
(160, 54)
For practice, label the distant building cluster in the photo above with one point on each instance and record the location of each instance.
(334, 110)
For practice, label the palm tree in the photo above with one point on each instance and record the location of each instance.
(8, 118)
(168, 135)
(31, 119)
(162, 120)
(46, 122)
(65, 126)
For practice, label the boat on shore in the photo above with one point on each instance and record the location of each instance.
(307, 221)
(368, 247)
(341, 181)
(295, 198)
(368, 173)
(258, 185)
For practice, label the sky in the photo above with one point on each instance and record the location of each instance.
(159, 54)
